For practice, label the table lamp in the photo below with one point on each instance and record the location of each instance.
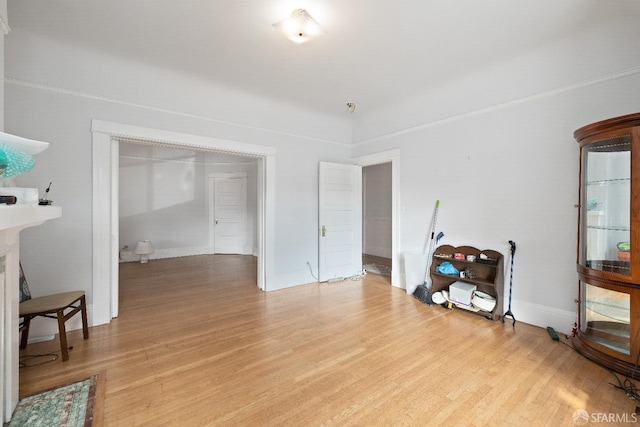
(144, 249)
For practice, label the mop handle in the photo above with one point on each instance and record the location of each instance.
(431, 248)
(435, 218)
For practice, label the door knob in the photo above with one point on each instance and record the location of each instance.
(324, 231)
(216, 221)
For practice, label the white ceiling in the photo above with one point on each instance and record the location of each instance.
(374, 53)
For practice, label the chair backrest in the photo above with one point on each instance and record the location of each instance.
(25, 294)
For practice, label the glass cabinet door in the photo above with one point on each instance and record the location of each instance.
(605, 206)
(606, 317)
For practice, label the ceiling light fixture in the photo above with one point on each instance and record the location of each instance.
(352, 107)
(299, 27)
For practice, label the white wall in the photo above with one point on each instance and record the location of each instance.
(4, 27)
(495, 147)
(509, 174)
(598, 41)
(164, 198)
(59, 104)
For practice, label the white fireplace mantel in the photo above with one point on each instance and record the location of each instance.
(13, 219)
(24, 216)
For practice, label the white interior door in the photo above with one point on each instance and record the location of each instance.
(229, 215)
(340, 216)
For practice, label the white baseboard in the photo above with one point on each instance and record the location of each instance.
(298, 278)
(127, 256)
(534, 314)
(541, 315)
(39, 339)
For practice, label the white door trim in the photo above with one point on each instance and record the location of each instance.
(105, 141)
(392, 156)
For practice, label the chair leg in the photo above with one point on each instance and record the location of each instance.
(85, 327)
(25, 332)
(62, 333)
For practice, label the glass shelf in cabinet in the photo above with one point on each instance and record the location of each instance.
(609, 227)
(614, 181)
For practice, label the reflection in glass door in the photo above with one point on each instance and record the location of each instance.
(606, 317)
(606, 206)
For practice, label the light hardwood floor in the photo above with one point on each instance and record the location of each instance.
(197, 344)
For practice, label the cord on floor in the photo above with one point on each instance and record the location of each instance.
(356, 276)
(26, 359)
(628, 385)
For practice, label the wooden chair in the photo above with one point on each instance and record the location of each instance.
(53, 307)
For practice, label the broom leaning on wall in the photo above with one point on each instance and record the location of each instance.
(423, 292)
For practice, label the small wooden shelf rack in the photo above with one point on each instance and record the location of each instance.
(489, 276)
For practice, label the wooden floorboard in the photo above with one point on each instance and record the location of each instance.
(197, 344)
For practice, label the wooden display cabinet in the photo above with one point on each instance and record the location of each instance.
(608, 258)
(489, 275)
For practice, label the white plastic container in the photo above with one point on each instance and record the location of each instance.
(483, 301)
(461, 292)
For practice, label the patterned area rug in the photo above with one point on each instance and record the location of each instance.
(66, 406)
(377, 269)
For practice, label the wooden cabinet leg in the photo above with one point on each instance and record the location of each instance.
(62, 333)
(25, 333)
(85, 327)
